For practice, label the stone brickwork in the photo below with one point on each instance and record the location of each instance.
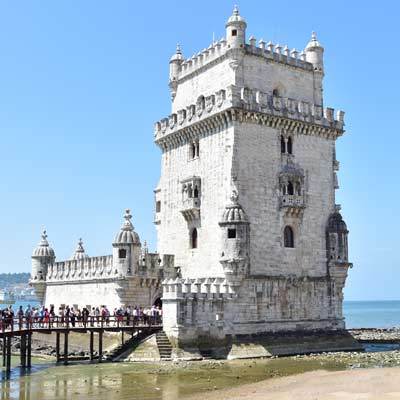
(264, 259)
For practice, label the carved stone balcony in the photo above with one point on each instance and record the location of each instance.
(293, 204)
(191, 208)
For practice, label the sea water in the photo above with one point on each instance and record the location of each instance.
(372, 314)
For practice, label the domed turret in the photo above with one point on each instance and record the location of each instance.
(235, 241)
(336, 234)
(43, 249)
(126, 247)
(175, 64)
(42, 256)
(315, 53)
(127, 234)
(236, 30)
(174, 70)
(79, 252)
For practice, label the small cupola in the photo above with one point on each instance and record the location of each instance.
(127, 234)
(43, 249)
(79, 252)
(236, 30)
(315, 53)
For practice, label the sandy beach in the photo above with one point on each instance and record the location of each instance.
(359, 384)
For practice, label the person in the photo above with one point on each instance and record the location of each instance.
(128, 315)
(97, 314)
(20, 315)
(92, 315)
(85, 316)
(28, 316)
(72, 317)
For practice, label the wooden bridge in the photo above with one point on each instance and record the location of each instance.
(23, 328)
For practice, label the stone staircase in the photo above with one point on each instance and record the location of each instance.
(129, 344)
(164, 346)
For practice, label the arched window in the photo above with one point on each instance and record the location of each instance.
(289, 145)
(193, 239)
(298, 189)
(288, 237)
(275, 92)
(121, 253)
(196, 192)
(290, 189)
(283, 145)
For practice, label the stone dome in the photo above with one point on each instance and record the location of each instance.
(234, 212)
(336, 223)
(127, 234)
(313, 43)
(43, 249)
(79, 252)
(235, 18)
(178, 54)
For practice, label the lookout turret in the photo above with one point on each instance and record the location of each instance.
(236, 30)
(126, 247)
(42, 256)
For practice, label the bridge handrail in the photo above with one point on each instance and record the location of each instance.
(91, 321)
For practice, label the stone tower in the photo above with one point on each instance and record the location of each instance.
(246, 197)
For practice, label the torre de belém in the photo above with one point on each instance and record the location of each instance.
(250, 240)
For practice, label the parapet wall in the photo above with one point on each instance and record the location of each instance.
(248, 100)
(219, 49)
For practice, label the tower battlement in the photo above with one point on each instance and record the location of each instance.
(241, 101)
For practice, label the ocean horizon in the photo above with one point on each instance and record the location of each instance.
(357, 313)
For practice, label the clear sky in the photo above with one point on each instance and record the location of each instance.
(82, 82)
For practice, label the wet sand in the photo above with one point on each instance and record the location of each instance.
(358, 384)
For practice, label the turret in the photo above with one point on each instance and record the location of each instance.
(337, 247)
(79, 252)
(236, 30)
(174, 70)
(126, 248)
(42, 256)
(235, 242)
(315, 53)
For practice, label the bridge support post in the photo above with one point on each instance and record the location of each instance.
(65, 348)
(29, 350)
(4, 350)
(91, 345)
(58, 346)
(100, 346)
(8, 361)
(23, 350)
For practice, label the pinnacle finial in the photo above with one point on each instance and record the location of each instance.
(44, 234)
(234, 197)
(235, 10)
(178, 49)
(127, 224)
(313, 35)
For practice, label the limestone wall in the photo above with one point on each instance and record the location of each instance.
(257, 164)
(112, 293)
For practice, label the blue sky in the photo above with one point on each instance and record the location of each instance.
(81, 84)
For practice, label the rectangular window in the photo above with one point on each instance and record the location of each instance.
(231, 233)
(158, 206)
(122, 253)
(234, 32)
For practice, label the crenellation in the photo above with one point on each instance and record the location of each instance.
(251, 100)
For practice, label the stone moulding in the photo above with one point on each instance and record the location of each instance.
(226, 118)
(220, 109)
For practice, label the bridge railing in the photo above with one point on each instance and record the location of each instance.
(8, 324)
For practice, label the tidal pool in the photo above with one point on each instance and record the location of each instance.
(161, 381)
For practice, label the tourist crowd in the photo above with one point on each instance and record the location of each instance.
(75, 317)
